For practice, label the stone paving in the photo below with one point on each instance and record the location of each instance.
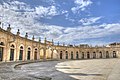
(94, 69)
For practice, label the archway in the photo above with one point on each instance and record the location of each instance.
(35, 54)
(61, 54)
(21, 53)
(66, 54)
(1, 51)
(114, 54)
(77, 55)
(94, 55)
(28, 54)
(88, 55)
(100, 54)
(12, 49)
(82, 55)
(72, 55)
(107, 54)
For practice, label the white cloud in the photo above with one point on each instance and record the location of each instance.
(46, 11)
(88, 21)
(26, 23)
(81, 5)
(16, 6)
(80, 33)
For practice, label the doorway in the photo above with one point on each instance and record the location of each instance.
(1, 53)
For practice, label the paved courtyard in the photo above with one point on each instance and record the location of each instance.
(94, 69)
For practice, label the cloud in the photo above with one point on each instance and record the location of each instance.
(88, 21)
(21, 15)
(81, 5)
(25, 20)
(89, 32)
(46, 11)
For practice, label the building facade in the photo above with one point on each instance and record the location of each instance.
(13, 47)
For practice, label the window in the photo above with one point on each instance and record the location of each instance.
(35, 54)
(1, 53)
(82, 55)
(12, 52)
(28, 54)
(1, 43)
(72, 55)
(61, 54)
(94, 55)
(100, 54)
(21, 53)
(88, 55)
(114, 54)
(77, 55)
(107, 54)
(66, 55)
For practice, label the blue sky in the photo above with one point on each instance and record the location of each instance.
(94, 22)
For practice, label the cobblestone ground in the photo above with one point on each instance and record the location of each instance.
(94, 69)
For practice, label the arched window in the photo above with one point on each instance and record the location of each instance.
(61, 54)
(82, 55)
(114, 54)
(107, 54)
(35, 54)
(66, 54)
(88, 55)
(12, 48)
(77, 55)
(100, 54)
(21, 53)
(2, 43)
(71, 54)
(94, 55)
(1, 52)
(28, 54)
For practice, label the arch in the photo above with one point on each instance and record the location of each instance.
(12, 46)
(114, 54)
(100, 54)
(66, 54)
(28, 53)
(71, 54)
(21, 53)
(1, 50)
(1, 53)
(21, 47)
(2, 43)
(82, 55)
(29, 49)
(77, 55)
(107, 54)
(88, 55)
(94, 55)
(35, 54)
(12, 51)
(61, 54)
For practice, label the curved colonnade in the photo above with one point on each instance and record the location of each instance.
(13, 47)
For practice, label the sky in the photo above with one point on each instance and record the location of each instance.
(93, 22)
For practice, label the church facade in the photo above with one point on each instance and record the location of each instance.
(13, 47)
